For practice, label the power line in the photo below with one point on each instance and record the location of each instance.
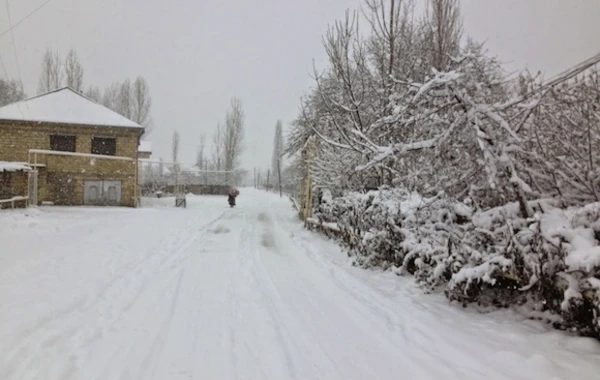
(8, 81)
(15, 52)
(13, 43)
(24, 18)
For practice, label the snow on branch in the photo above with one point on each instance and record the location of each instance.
(439, 80)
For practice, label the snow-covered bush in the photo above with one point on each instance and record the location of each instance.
(549, 262)
(369, 224)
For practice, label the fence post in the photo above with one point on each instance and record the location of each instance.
(34, 199)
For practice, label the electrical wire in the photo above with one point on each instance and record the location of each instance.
(15, 52)
(24, 18)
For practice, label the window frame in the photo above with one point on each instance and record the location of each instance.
(103, 152)
(55, 146)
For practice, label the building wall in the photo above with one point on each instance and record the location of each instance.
(13, 184)
(60, 179)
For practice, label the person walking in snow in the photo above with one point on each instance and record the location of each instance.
(233, 193)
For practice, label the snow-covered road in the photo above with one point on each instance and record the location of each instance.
(210, 292)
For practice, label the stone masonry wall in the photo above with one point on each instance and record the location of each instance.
(61, 180)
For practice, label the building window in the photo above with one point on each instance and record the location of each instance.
(63, 143)
(106, 146)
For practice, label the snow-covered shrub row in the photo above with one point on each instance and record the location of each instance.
(394, 107)
(549, 262)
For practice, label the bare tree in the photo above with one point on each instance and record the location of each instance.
(11, 91)
(200, 159)
(141, 103)
(73, 71)
(110, 96)
(233, 137)
(445, 30)
(51, 77)
(124, 100)
(278, 147)
(132, 101)
(217, 150)
(93, 93)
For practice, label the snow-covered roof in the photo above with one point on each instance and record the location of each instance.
(6, 166)
(145, 146)
(64, 106)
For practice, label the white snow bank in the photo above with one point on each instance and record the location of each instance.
(576, 229)
(6, 166)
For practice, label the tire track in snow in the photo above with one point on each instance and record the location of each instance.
(264, 291)
(151, 360)
(68, 324)
(290, 315)
(400, 331)
(127, 348)
(317, 288)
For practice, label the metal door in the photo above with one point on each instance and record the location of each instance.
(102, 193)
(92, 192)
(112, 192)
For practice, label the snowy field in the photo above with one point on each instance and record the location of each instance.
(210, 292)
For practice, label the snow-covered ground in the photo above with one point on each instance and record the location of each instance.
(210, 292)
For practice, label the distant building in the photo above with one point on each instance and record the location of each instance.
(84, 153)
(145, 149)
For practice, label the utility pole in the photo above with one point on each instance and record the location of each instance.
(268, 183)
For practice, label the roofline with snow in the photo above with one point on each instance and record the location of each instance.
(57, 90)
(66, 124)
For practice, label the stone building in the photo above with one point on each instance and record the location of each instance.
(80, 152)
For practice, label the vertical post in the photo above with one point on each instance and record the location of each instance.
(268, 179)
(206, 176)
(28, 181)
(136, 199)
(35, 180)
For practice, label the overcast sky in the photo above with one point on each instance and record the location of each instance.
(197, 54)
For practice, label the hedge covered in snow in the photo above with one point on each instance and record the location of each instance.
(549, 262)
